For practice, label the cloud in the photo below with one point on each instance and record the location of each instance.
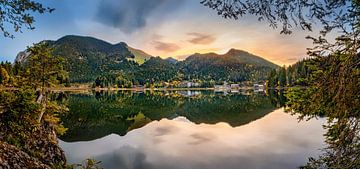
(202, 39)
(162, 131)
(131, 15)
(165, 47)
(125, 157)
(156, 36)
(292, 59)
(200, 138)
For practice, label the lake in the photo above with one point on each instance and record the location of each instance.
(187, 129)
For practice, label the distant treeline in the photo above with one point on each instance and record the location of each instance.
(16, 74)
(92, 61)
(294, 75)
(157, 72)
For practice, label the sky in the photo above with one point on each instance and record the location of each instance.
(165, 28)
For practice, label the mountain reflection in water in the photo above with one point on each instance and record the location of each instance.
(103, 113)
(167, 130)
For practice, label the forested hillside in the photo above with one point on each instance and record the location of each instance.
(90, 60)
(235, 65)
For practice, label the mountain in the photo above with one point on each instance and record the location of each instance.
(157, 69)
(233, 55)
(139, 56)
(171, 60)
(235, 65)
(88, 59)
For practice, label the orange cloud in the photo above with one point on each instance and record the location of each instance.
(165, 47)
(202, 39)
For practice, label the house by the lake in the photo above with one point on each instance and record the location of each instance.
(187, 84)
(224, 87)
(259, 87)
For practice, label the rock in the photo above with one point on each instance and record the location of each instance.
(22, 56)
(13, 158)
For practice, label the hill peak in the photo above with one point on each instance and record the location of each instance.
(89, 39)
(234, 56)
(236, 51)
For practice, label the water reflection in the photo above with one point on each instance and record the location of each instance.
(93, 116)
(187, 129)
(274, 141)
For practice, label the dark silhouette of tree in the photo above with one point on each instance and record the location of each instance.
(332, 74)
(288, 13)
(18, 14)
(282, 77)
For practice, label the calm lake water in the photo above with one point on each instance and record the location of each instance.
(187, 129)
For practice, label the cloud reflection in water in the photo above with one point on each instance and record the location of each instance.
(275, 141)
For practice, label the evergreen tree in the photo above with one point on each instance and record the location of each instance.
(282, 77)
(272, 79)
(4, 76)
(43, 70)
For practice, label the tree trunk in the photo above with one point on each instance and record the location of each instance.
(41, 100)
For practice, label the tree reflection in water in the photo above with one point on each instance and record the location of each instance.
(99, 114)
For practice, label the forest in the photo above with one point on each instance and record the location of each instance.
(326, 84)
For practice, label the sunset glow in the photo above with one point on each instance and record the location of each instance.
(167, 29)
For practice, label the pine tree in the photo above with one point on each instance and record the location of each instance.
(43, 70)
(4, 76)
(282, 77)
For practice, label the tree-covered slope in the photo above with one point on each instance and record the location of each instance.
(157, 69)
(139, 56)
(235, 65)
(87, 57)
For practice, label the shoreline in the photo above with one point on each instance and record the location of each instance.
(126, 89)
(147, 89)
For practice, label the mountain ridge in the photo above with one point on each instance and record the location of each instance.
(237, 54)
(88, 58)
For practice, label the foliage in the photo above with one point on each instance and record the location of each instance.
(4, 76)
(293, 75)
(43, 69)
(20, 127)
(140, 57)
(90, 60)
(19, 113)
(234, 66)
(289, 13)
(334, 92)
(331, 75)
(282, 77)
(18, 14)
(86, 164)
(156, 70)
(205, 69)
(29, 118)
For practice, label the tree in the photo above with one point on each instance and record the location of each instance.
(43, 69)
(272, 79)
(4, 76)
(18, 14)
(333, 91)
(29, 116)
(282, 77)
(334, 77)
(289, 13)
